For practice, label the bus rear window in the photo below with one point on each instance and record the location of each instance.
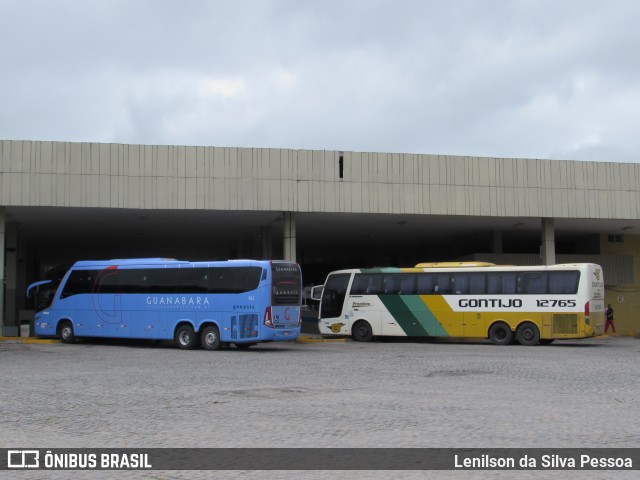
(287, 284)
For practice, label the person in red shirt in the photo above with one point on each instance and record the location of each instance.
(609, 320)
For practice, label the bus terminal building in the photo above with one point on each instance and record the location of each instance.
(61, 202)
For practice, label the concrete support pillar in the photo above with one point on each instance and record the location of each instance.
(266, 243)
(10, 274)
(2, 280)
(548, 248)
(289, 236)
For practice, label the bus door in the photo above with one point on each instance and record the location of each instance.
(332, 303)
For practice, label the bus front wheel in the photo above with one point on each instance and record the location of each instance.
(500, 334)
(185, 337)
(362, 331)
(211, 338)
(66, 332)
(528, 334)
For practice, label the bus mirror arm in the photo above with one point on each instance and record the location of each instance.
(316, 292)
(34, 285)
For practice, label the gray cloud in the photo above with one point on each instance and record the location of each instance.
(537, 79)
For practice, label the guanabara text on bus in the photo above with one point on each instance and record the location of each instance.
(212, 304)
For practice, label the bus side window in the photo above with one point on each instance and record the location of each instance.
(106, 281)
(424, 284)
(161, 280)
(501, 283)
(477, 283)
(192, 280)
(509, 283)
(408, 285)
(78, 282)
(441, 283)
(375, 285)
(563, 282)
(532, 282)
(460, 283)
(360, 284)
(391, 284)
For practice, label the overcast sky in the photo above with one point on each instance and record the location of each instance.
(507, 78)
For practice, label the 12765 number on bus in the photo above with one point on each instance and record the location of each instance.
(555, 303)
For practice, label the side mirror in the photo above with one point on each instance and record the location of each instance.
(316, 292)
(35, 285)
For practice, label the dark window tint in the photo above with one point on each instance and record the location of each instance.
(133, 280)
(166, 281)
(477, 283)
(79, 281)
(440, 283)
(407, 284)
(161, 280)
(106, 281)
(368, 284)
(501, 283)
(234, 280)
(333, 295)
(564, 282)
(460, 283)
(193, 280)
(532, 282)
(424, 284)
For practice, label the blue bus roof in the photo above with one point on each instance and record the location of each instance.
(123, 262)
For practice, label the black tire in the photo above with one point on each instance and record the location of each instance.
(244, 346)
(362, 331)
(210, 338)
(547, 341)
(65, 332)
(500, 334)
(528, 334)
(185, 337)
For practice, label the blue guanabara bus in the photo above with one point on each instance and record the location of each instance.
(212, 304)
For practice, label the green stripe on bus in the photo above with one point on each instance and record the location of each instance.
(381, 270)
(413, 316)
(403, 315)
(427, 319)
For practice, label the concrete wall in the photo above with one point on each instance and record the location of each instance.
(624, 298)
(177, 177)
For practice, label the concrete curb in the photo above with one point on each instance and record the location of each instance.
(29, 340)
(318, 339)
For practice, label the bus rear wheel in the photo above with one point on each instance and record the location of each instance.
(528, 334)
(66, 332)
(185, 337)
(500, 334)
(211, 338)
(362, 331)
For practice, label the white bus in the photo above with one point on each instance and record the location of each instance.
(535, 304)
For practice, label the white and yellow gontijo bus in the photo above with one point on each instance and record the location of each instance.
(536, 304)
